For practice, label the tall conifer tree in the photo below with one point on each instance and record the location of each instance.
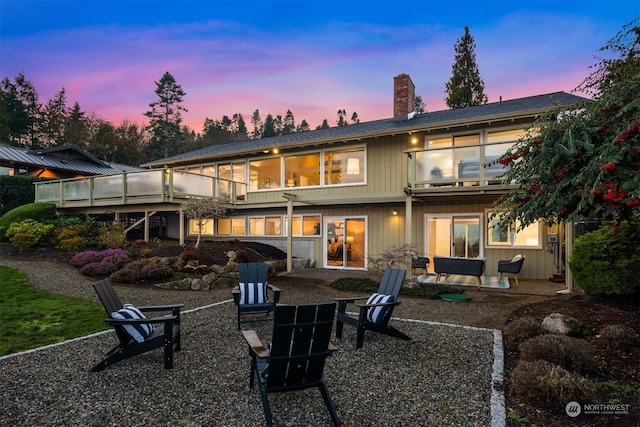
(465, 88)
(164, 119)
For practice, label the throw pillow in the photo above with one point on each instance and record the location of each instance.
(253, 293)
(516, 258)
(139, 331)
(376, 314)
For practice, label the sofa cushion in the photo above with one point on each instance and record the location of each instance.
(139, 331)
(376, 314)
(253, 293)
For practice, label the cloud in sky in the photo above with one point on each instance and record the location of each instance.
(310, 57)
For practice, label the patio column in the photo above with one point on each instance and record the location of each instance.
(290, 198)
(408, 221)
(182, 225)
(568, 245)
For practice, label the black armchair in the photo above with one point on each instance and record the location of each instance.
(512, 266)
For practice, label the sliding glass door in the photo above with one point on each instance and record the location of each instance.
(454, 235)
(346, 242)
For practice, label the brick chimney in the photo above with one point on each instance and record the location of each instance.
(404, 95)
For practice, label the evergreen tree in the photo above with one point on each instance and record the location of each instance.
(465, 88)
(22, 123)
(324, 125)
(269, 128)
(342, 121)
(418, 105)
(241, 127)
(55, 118)
(354, 118)
(289, 123)
(164, 119)
(303, 126)
(256, 122)
(76, 131)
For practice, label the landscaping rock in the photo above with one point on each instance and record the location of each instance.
(199, 285)
(558, 323)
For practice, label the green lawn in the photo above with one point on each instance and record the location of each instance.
(31, 317)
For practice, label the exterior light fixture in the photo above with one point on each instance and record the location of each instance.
(414, 140)
(394, 212)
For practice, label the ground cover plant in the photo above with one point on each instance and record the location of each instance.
(32, 317)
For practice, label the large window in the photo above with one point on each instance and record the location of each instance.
(231, 226)
(274, 225)
(344, 166)
(265, 226)
(264, 174)
(236, 172)
(305, 225)
(512, 235)
(302, 170)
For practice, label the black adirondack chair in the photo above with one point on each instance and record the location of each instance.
(166, 335)
(251, 295)
(296, 357)
(376, 313)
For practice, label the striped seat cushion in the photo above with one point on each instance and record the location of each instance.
(376, 314)
(253, 293)
(138, 331)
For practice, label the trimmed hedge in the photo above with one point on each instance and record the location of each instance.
(604, 262)
(36, 211)
(16, 191)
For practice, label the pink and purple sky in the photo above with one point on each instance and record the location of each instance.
(312, 57)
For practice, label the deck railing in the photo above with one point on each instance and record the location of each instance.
(152, 186)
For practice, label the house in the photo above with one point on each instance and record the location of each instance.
(340, 195)
(68, 161)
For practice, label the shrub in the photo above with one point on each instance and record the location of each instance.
(119, 257)
(83, 258)
(16, 191)
(604, 262)
(102, 268)
(242, 256)
(72, 238)
(112, 236)
(394, 257)
(618, 336)
(72, 244)
(186, 256)
(155, 271)
(125, 275)
(23, 241)
(31, 233)
(35, 211)
(356, 284)
(522, 329)
(545, 385)
(573, 354)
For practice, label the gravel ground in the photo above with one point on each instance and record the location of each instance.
(443, 377)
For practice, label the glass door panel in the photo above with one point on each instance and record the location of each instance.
(451, 235)
(346, 242)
